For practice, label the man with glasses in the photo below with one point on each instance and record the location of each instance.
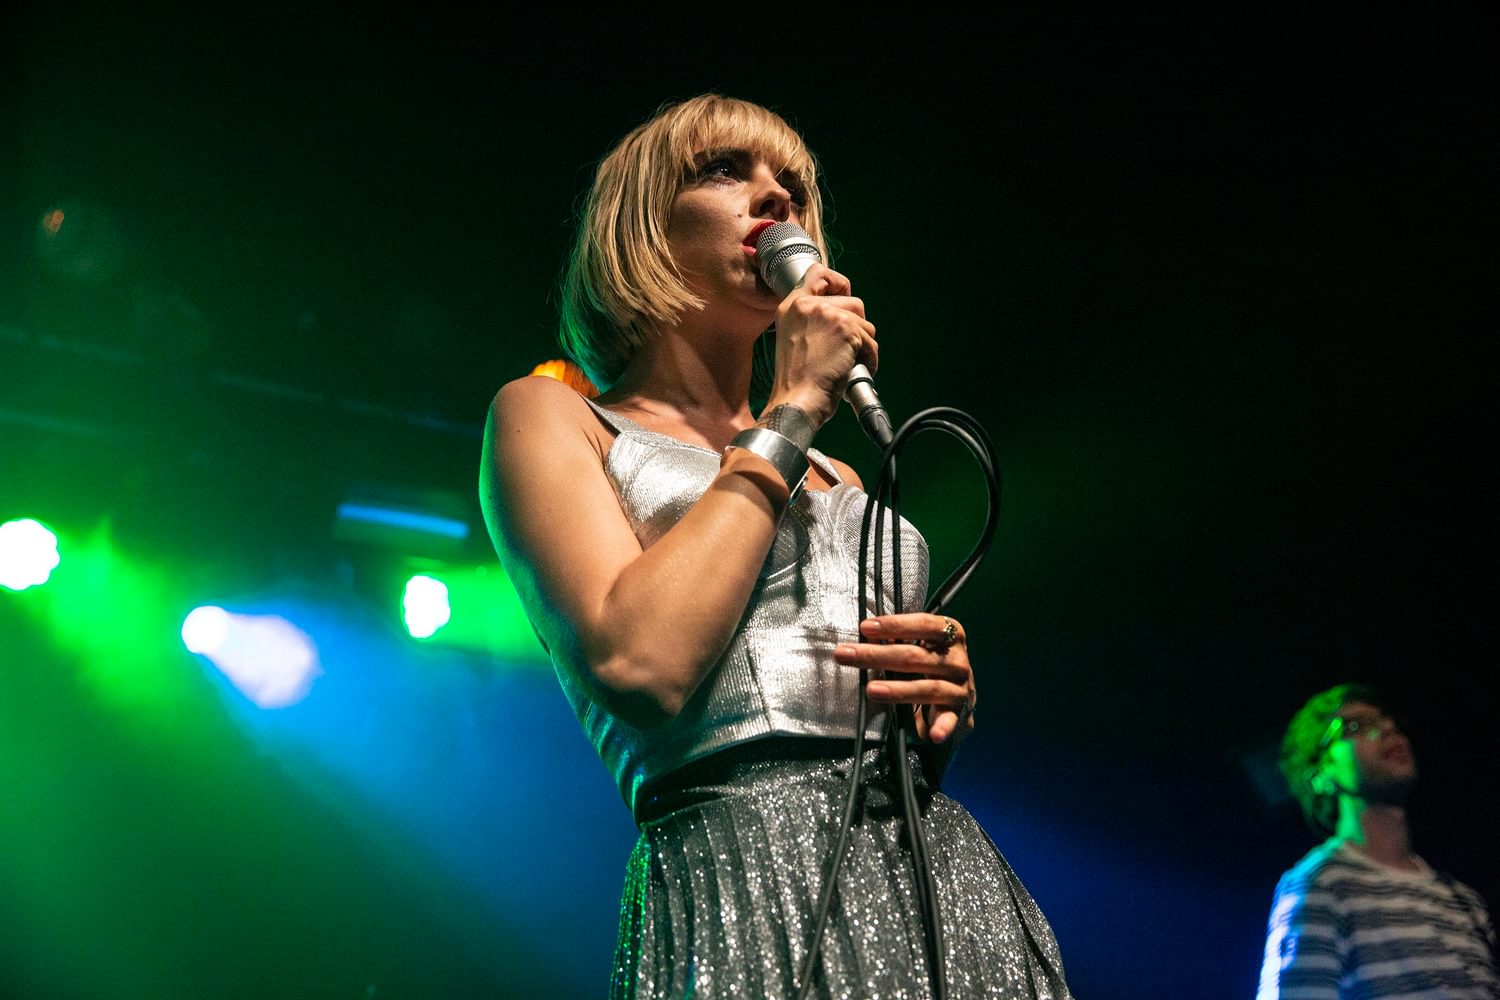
(1362, 915)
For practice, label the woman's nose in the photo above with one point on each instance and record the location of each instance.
(771, 199)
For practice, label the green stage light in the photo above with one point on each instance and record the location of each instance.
(481, 612)
(424, 605)
(28, 554)
(115, 616)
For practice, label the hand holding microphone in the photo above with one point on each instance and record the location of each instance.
(784, 254)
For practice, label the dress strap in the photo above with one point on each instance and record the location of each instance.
(617, 423)
(825, 466)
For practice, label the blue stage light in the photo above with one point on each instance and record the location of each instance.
(390, 517)
(267, 658)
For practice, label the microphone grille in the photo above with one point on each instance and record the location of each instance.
(773, 263)
(781, 235)
(783, 253)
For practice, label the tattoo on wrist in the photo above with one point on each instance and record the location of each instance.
(790, 422)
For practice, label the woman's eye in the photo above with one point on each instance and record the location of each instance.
(718, 168)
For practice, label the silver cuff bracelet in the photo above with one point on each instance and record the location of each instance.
(778, 449)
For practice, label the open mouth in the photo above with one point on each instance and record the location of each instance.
(754, 234)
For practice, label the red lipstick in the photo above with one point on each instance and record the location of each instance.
(754, 234)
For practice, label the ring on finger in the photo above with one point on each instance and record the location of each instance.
(950, 633)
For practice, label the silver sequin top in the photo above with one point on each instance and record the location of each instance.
(778, 676)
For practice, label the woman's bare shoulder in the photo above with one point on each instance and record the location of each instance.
(538, 395)
(538, 424)
(537, 409)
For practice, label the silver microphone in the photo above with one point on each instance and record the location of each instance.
(784, 252)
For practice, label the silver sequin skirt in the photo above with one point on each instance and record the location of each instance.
(722, 888)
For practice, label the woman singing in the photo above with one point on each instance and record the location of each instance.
(692, 569)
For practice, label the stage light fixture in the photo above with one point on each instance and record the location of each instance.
(267, 658)
(481, 611)
(205, 629)
(28, 553)
(81, 240)
(424, 605)
(568, 373)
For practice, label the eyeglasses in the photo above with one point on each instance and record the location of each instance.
(1357, 729)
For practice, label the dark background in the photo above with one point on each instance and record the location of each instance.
(1215, 285)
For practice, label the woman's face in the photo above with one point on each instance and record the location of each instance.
(713, 224)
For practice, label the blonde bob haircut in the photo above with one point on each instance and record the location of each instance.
(621, 282)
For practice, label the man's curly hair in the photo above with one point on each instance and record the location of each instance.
(1301, 751)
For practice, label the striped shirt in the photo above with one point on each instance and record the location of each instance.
(1344, 927)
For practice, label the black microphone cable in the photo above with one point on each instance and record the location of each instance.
(886, 496)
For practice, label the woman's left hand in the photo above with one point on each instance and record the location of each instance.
(932, 651)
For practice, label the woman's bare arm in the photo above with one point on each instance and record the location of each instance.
(639, 628)
(642, 628)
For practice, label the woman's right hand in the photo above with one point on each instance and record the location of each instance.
(821, 333)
